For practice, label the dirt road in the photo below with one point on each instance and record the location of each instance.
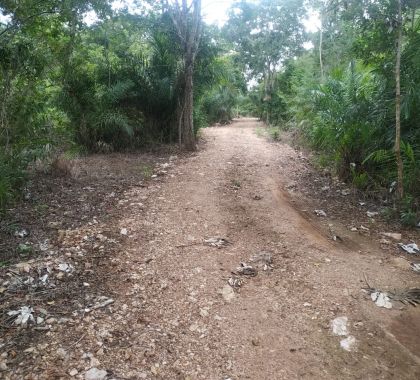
(174, 315)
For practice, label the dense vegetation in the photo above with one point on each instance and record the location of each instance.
(115, 84)
(342, 95)
(132, 80)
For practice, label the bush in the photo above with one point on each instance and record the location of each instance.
(274, 133)
(12, 178)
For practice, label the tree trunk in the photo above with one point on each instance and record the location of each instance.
(321, 65)
(187, 111)
(413, 18)
(179, 115)
(268, 93)
(400, 168)
(4, 117)
(189, 34)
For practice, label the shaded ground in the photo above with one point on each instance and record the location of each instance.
(144, 298)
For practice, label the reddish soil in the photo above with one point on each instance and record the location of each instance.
(169, 319)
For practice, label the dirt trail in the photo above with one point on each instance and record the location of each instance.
(170, 320)
(278, 325)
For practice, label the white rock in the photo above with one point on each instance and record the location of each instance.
(392, 235)
(62, 353)
(348, 344)
(95, 374)
(3, 366)
(94, 362)
(194, 327)
(73, 372)
(124, 231)
(227, 293)
(381, 300)
(339, 326)
(39, 320)
(64, 267)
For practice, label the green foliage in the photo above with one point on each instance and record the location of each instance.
(115, 85)
(409, 211)
(265, 32)
(348, 114)
(219, 102)
(274, 133)
(147, 171)
(360, 180)
(110, 86)
(341, 118)
(12, 177)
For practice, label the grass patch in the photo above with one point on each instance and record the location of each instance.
(236, 183)
(260, 132)
(274, 133)
(147, 171)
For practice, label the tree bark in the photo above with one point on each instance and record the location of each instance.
(321, 65)
(4, 117)
(187, 22)
(188, 108)
(400, 168)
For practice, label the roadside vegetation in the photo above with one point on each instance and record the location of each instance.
(71, 83)
(79, 76)
(353, 95)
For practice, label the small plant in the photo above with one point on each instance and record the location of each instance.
(12, 177)
(6, 192)
(147, 171)
(259, 131)
(322, 161)
(274, 133)
(41, 209)
(236, 183)
(408, 218)
(25, 250)
(408, 214)
(389, 213)
(360, 180)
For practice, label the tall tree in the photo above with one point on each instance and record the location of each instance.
(400, 168)
(266, 33)
(384, 26)
(186, 18)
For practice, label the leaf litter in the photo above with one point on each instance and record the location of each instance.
(411, 248)
(217, 242)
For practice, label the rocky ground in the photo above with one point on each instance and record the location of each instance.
(213, 265)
